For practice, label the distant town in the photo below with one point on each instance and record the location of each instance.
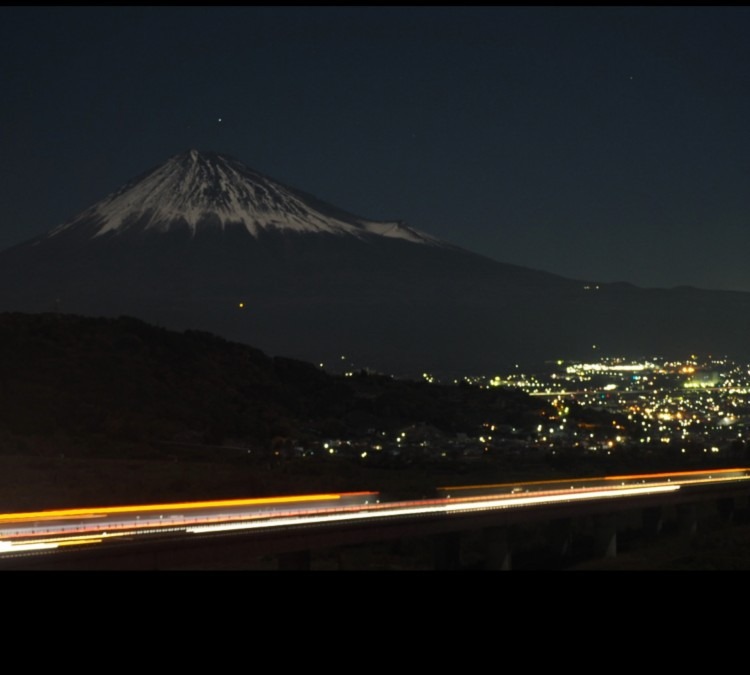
(697, 408)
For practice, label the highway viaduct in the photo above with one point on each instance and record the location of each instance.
(497, 533)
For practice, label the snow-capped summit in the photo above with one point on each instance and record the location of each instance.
(208, 190)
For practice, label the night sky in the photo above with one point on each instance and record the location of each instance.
(608, 144)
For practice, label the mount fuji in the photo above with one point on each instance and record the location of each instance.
(203, 242)
(202, 191)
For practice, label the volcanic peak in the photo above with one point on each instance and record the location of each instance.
(207, 189)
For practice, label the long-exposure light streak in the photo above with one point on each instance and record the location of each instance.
(108, 510)
(463, 506)
(564, 497)
(8, 547)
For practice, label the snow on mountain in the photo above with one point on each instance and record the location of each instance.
(200, 189)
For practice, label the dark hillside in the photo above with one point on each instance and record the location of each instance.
(128, 380)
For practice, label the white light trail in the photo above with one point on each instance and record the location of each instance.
(10, 547)
(449, 507)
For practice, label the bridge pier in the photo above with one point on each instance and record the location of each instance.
(726, 509)
(605, 535)
(447, 551)
(560, 536)
(653, 521)
(497, 550)
(687, 519)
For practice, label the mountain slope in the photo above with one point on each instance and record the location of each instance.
(204, 242)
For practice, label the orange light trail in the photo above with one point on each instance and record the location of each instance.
(517, 483)
(686, 474)
(103, 511)
(557, 481)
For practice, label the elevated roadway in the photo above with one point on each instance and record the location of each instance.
(209, 534)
